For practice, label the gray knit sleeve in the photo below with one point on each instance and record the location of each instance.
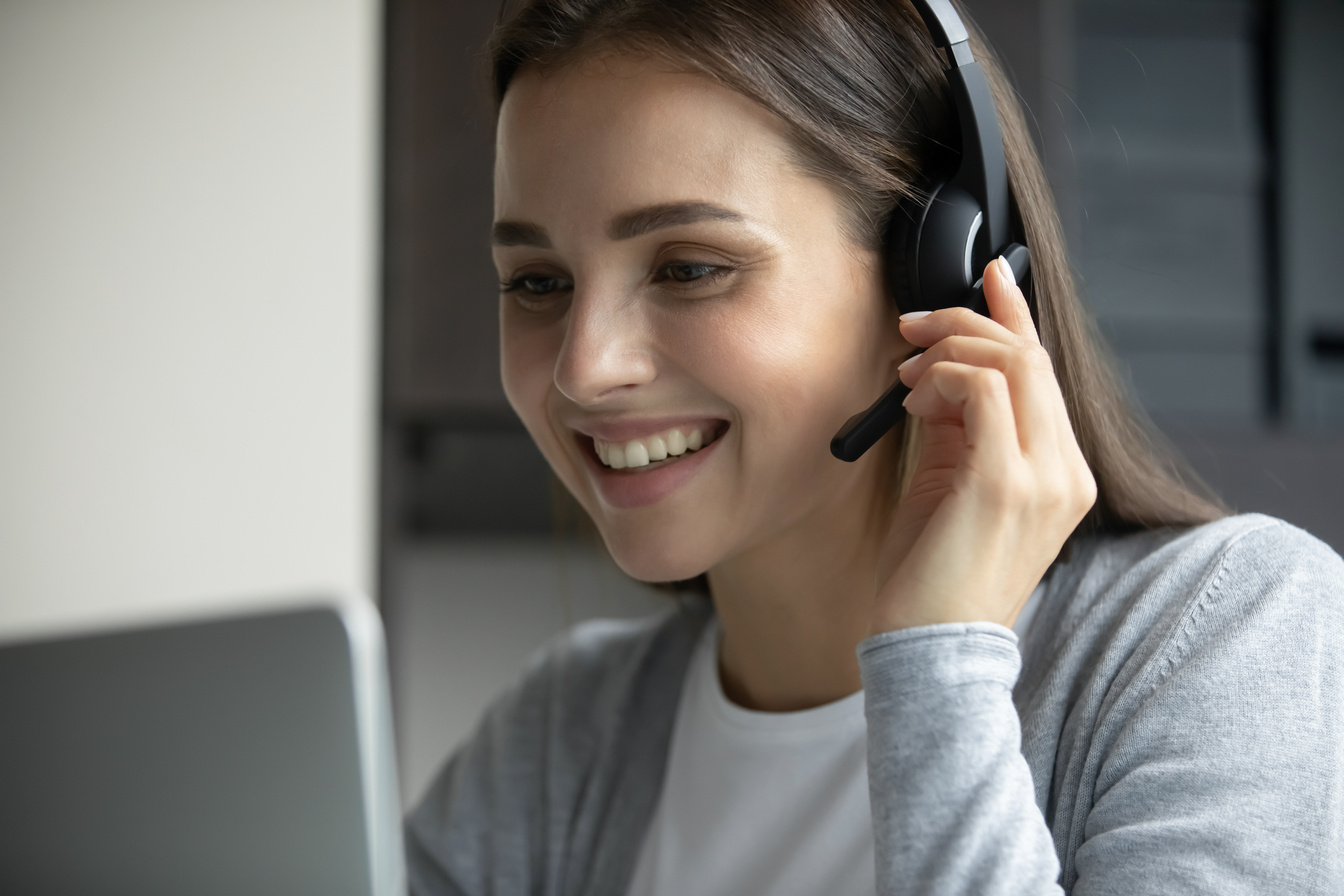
(478, 829)
(1212, 764)
(1220, 759)
(953, 805)
(552, 794)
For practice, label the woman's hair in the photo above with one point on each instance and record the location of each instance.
(860, 88)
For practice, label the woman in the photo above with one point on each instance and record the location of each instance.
(1006, 651)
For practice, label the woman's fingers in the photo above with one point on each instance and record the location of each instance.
(979, 396)
(1007, 304)
(1009, 321)
(1000, 476)
(1008, 343)
(1031, 383)
(926, 328)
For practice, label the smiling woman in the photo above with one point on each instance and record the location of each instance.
(669, 282)
(1009, 650)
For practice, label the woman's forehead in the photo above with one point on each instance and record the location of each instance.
(625, 132)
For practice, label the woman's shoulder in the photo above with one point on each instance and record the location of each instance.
(585, 681)
(1185, 615)
(1272, 543)
(1275, 542)
(1247, 558)
(1207, 663)
(594, 665)
(591, 651)
(1234, 597)
(598, 697)
(1228, 566)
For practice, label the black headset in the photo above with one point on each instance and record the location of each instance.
(935, 245)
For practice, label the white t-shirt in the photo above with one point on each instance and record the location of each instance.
(762, 802)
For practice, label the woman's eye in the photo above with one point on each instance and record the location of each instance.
(536, 284)
(691, 272)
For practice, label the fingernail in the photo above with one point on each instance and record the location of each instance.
(902, 365)
(1007, 270)
(915, 315)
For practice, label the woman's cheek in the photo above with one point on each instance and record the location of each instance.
(796, 363)
(527, 368)
(526, 362)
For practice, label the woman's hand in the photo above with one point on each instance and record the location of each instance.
(1000, 482)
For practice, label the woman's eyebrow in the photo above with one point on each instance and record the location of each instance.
(672, 214)
(519, 233)
(623, 227)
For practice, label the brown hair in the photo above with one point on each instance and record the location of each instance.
(860, 86)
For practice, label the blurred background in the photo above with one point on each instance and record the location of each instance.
(247, 311)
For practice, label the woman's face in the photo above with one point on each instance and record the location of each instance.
(671, 279)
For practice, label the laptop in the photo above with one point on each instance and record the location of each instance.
(241, 754)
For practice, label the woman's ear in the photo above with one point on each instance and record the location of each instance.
(896, 348)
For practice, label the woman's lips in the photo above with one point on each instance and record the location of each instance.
(664, 445)
(649, 480)
(623, 429)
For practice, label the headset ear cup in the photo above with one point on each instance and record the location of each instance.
(934, 246)
(945, 251)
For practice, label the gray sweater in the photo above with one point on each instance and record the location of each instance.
(1172, 722)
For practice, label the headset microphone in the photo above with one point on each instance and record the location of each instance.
(935, 246)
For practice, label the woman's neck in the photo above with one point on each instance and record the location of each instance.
(793, 610)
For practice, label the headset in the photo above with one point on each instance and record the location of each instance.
(935, 245)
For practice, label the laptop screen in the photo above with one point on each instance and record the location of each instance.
(249, 754)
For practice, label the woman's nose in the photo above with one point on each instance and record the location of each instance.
(606, 350)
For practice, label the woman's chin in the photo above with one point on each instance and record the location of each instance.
(664, 561)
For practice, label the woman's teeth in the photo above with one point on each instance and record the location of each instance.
(642, 452)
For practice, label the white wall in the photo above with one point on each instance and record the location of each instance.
(187, 316)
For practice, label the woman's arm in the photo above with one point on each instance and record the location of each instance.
(954, 809)
(1212, 774)
(1202, 741)
(999, 485)
(477, 829)
(999, 482)
(1217, 764)
(553, 792)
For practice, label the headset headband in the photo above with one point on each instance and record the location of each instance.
(982, 171)
(956, 231)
